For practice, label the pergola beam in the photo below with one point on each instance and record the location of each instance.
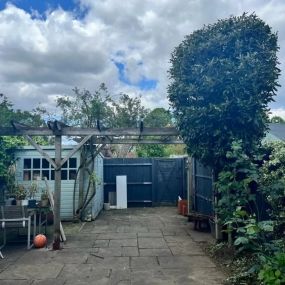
(73, 131)
(138, 141)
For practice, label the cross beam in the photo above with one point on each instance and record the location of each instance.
(76, 131)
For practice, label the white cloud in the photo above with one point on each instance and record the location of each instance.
(45, 57)
(278, 112)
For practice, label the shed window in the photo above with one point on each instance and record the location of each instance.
(39, 168)
(27, 163)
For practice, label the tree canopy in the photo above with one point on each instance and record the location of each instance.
(277, 120)
(222, 78)
(156, 118)
(85, 108)
(9, 144)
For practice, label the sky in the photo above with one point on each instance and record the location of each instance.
(49, 47)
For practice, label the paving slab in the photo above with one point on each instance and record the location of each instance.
(130, 251)
(185, 250)
(31, 271)
(120, 277)
(81, 271)
(155, 252)
(124, 247)
(110, 251)
(145, 277)
(15, 282)
(109, 262)
(115, 235)
(152, 242)
(101, 243)
(192, 261)
(144, 262)
(49, 281)
(151, 234)
(123, 242)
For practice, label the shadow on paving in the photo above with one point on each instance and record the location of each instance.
(133, 246)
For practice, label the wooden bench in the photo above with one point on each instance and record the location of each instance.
(199, 220)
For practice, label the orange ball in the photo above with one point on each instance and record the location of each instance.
(40, 241)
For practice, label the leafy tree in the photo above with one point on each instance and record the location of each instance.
(277, 120)
(84, 108)
(223, 77)
(8, 145)
(128, 111)
(157, 118)
(151, 150)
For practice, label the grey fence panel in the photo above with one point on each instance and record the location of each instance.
(202, 194)
(170, 180)
(139, 178)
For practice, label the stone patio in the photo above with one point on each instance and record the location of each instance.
(135, 246)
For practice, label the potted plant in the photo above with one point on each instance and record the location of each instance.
(44, 198)
(11, 185)
(33, 189)
(21, 195)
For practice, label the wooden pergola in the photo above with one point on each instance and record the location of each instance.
(99, 136)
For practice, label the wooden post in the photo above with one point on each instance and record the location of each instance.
(57, 193)
(189, 184)
(81, 179)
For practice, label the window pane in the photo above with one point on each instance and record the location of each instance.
(36, 174)
(45, 163)
(36, 163)
(64, 165)
(72, 162)
(72, 174)
(64, 174)
(45, 173)
(27, 175)
(27, 163)
(52, 175)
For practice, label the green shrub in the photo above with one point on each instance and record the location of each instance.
(273, 270)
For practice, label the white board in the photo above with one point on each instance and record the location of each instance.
(121, 190)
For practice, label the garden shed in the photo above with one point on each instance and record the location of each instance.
(31, 166)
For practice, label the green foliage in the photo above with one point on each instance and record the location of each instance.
(277, 120)
(251, 234)
(32, 190)
(44, 194)
(235, 182)
(273, 270)
(223, 77)
(151, 150)
(272, 176)
(84, 108)
(128, 111)
(9, 144)
(259, 241)
(157, 118)
(21, 192)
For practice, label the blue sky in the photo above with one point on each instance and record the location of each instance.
(41, 5)
(46, 51)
